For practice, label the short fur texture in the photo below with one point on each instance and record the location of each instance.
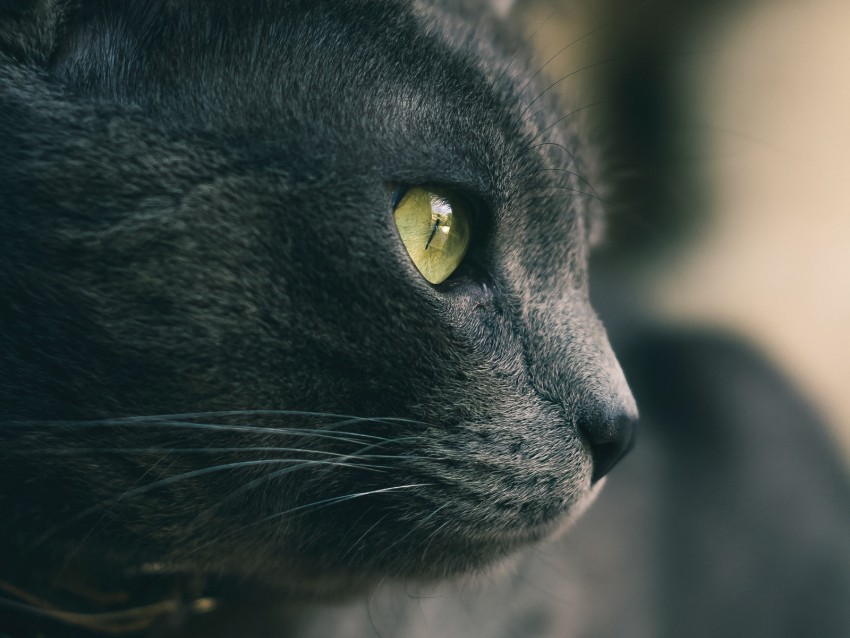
(221, 374)
(196, 221)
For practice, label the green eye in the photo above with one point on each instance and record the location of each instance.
(434, 229)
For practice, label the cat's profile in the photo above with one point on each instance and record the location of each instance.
(229, 376)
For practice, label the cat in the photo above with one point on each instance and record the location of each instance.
(240, 395)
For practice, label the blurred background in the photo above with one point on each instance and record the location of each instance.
(733, 121)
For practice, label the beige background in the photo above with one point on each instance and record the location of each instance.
(772, 88)
(775, 261)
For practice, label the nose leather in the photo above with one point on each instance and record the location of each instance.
(611, 436)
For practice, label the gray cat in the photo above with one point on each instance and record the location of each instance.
(296, 332)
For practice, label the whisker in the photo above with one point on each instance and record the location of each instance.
(555, 83)
(574, 42)
(601, 27)
(564, 117)
(578, 176)
(273, 475)
(188, 425)
(310, 507)
(433, 536)
(335, 500)
(226, 413)
(504, 71)
(180, 421)
(270, 412)
(228, 466)
(301, 463)
(189, 451)
(418, 525)
(578, 191)
(363, 535)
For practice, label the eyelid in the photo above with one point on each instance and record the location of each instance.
(398, 194)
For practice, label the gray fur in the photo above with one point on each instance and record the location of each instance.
(199, 268)
(196, 218)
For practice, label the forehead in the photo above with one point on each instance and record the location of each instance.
(123, 48)
(417, 92)
(269, 60)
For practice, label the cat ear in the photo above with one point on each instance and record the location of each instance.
(28, 28)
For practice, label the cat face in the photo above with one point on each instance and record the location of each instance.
(221, 355)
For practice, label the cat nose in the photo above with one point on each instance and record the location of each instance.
(611, 437)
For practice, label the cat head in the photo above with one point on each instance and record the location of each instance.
(218, 354)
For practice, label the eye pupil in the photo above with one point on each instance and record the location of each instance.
(441, 215)
(435, 231)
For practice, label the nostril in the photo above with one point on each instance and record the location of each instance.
(610, 440)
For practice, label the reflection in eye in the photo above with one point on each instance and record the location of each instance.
(435, 230)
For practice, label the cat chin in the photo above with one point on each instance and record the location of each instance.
(498, 552)
(554, 529)
(564, 524)
(344, 587)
